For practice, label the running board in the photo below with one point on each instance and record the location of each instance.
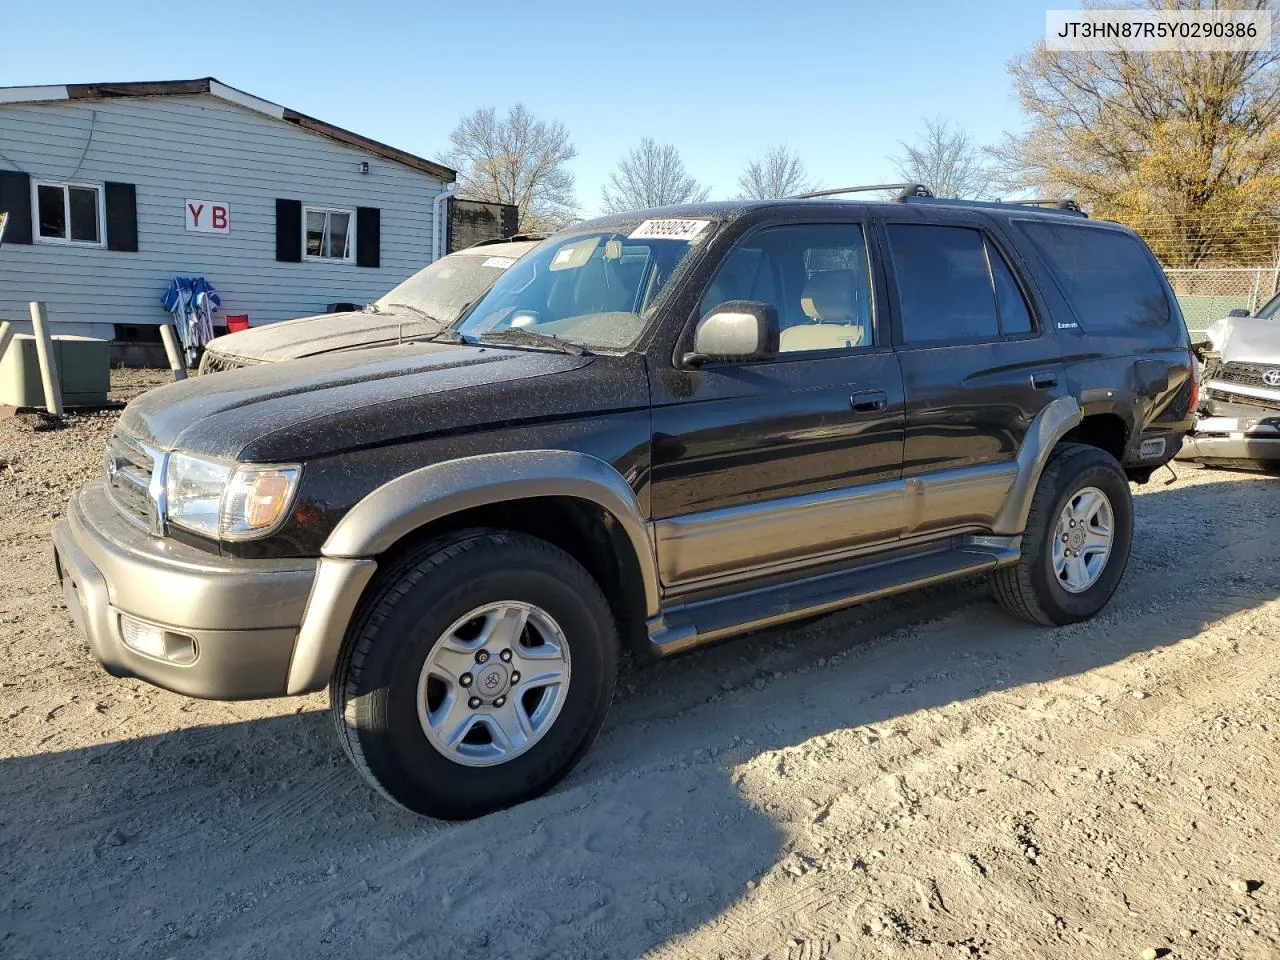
(700, 621)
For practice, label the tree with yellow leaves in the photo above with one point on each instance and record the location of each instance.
(1183, 146)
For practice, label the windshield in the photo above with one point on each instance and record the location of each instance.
(442, 290)
(592, 289)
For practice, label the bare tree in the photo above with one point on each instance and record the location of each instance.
(650, 175)
(1183, 146)
(516, 159)
(778, 173)
(946, 160)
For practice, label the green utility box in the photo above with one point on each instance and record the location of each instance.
(83, 368)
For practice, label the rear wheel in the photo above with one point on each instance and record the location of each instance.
(1077, 541)
(477, 675)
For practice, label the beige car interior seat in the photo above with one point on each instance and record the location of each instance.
(830, 301)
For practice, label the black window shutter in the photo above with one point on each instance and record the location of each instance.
(15, 200)
(289, 231)
(368, 237)
(122, 217)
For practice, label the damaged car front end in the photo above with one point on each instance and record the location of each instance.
(1238, 419)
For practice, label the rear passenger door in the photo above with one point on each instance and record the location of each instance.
(977, 364)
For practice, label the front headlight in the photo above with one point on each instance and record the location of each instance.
(226, 500)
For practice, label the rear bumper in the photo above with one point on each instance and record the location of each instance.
(1230, 438)
(244, 616)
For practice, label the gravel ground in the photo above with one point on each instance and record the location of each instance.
(922, 777)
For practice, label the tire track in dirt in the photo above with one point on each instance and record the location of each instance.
(1014, 795)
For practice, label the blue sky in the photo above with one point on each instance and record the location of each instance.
(840, 82)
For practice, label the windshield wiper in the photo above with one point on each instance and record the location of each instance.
(533, 339)
(418, 310)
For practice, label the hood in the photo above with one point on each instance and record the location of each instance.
(325, 333)
(1245, 339)
(316, 406)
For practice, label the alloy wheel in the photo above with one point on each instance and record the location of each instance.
(493, 683)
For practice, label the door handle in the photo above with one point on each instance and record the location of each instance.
(869, 401)
(1045, 380)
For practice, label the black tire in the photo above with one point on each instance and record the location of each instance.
(374, 691)
(1029, 589)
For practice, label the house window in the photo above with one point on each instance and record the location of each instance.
(68, 213)
(328, 234)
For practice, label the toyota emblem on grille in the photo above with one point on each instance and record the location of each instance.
(1272, 378)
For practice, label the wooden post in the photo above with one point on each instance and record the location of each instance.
(48, 364)
(6, 334)
(177, 363)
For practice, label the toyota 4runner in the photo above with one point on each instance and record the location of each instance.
(657, 429)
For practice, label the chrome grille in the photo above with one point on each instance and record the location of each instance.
(1250, 374)
(213, 362)
(1227, 396)
(130, 465)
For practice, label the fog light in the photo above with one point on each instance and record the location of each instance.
(157, 642)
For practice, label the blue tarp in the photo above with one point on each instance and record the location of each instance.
(193, 301)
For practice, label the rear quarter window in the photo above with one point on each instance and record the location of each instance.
(1108, 277)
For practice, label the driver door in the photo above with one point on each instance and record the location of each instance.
(761, 464)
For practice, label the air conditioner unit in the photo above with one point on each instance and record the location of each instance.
(84, 370)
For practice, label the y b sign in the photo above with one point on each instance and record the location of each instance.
(208, 216)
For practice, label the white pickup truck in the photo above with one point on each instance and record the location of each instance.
(1238, 421)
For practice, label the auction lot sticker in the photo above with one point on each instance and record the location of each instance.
(668, 230)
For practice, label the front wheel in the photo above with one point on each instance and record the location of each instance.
(477, 674)
(1077, 541)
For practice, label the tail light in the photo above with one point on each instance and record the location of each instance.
(1195, 381)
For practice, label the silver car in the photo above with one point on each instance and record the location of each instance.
(424, 304)
(1238, 420)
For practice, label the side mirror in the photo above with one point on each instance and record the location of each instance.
(736, 331)
(1238, 312)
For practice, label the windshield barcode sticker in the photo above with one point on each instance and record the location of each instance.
(500, 262)
(668, 229)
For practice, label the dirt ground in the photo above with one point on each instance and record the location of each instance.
(922, 777)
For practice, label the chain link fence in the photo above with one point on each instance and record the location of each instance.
(1209, 293)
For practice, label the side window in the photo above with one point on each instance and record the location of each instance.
(1012, 307)
(327, 234)
(1106, 276)
(746, 274)
(944, 284)
(67, 213)
(816, 275)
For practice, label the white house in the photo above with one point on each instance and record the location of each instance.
(112, 190)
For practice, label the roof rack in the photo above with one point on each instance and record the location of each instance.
(1062, 206)
(1067, 204)
(905, 190)
(919, 193)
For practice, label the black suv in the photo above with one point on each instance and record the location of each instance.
(656, 429)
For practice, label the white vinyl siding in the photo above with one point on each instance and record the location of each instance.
(173, 148)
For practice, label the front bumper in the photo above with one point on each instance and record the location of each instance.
(1233, 439)
(243, 615)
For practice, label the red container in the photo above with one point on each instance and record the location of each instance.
(237, 321)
